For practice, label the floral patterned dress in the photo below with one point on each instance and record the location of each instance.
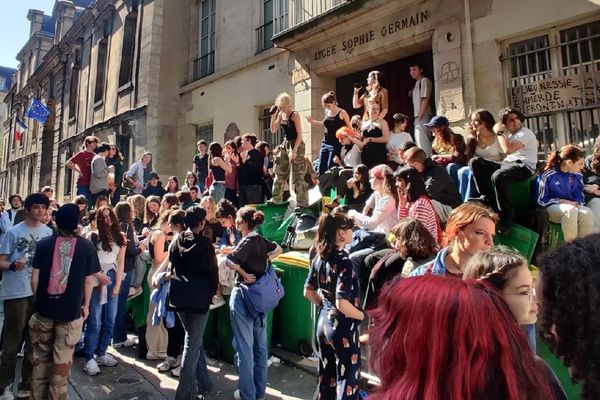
(337, 335)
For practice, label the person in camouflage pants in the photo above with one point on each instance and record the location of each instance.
(284, 166)
(65, 268)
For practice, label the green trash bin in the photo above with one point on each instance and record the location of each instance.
(520, 239)
(274, 218)
(555, 235)
(210, 332)
(293, 320)
(221, 346)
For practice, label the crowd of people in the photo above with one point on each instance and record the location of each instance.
(405, 244)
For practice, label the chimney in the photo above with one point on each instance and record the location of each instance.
(65, 17)
(36, 18)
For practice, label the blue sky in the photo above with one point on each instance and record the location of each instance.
(14, 26)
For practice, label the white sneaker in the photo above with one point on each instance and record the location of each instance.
(168, 364)
(91, 368)
(176, 372)
(217, 301)
(127, 343)
(23, 394)
(7, 394)
(106, 360)
(236, 395)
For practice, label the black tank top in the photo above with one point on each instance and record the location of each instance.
(289, 128)
(332, 124)
(151, 247)
(218, 173)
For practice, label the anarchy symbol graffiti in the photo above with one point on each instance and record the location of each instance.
(449, 72)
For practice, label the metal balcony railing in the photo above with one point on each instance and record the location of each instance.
(295, 12)
(204, 65)
(264, 34)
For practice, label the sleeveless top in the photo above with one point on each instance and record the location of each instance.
(231, 178)
(289, 128)
(151, 247)
(373, 153)
(332, 124)
(218, 173)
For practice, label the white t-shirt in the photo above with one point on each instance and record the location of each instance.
(423, 88)
(351, 158)
(396, 140)
(526, 154)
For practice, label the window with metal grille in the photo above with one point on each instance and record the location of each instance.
(529, 57)
(100, 70)
(264, 33)
(205, 132)
(274, 139)
(581, 44)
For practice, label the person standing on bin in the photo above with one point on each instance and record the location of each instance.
(332, 285)
(250, 259)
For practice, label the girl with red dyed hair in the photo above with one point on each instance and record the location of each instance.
(471, 227)
(435, 338)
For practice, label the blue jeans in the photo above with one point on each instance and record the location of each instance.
(326, 155)
(193, 362)
(466, 184)
(120, 331)
(217, 191)
(101, 321)
(452, 170)
(85, 190)
(250, 344)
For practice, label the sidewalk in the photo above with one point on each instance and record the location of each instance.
(134, 379)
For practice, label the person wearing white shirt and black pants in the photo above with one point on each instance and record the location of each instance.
(494, 179)
(421, 97)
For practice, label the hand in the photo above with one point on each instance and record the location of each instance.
(111, 168)
(142, 246)
(336, 160)
(248, 278)
(436, 157)
(138, 185)
(293, 155)
(115, 291)
(564, 201)
(367, 140)
(103, 279)
(235, 158)
(499, 127)
(309, 119)
(19, 264)
(85, 311)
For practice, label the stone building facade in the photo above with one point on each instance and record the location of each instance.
(109, 68)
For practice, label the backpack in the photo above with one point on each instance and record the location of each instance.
(263, 295)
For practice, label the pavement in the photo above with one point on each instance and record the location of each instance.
(135, 379)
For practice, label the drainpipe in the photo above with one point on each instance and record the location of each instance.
(469, 69)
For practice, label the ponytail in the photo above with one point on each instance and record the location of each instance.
(553, 161)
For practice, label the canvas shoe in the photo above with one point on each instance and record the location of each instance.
(127, 343)
(91, 368)
(176, 372)
(107, 360)
(168, 364)
(154, 356)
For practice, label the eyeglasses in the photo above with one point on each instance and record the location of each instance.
(531, 295)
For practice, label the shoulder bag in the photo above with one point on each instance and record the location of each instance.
(263, 295)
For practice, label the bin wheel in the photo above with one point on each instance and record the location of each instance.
(214, 349)
(305, 348)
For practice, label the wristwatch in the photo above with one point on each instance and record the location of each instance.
(500, 133)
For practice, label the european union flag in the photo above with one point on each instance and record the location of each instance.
(38, 111)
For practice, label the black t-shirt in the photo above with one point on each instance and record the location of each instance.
(201, 166)
(53, 300)
(250, 172)
(251, 253)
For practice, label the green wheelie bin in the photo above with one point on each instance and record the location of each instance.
(293, 317)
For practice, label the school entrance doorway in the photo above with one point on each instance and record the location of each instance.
(396, 79)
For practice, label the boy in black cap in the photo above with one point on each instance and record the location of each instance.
(154, 187)
(64, 267)
(16, 252)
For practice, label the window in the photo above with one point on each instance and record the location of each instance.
(562, 51)
(101, 61)
(205, 132)
(265, 32)
(74, 89)
(128, 49)
(274, 139)
(68, 184)
(205, 64)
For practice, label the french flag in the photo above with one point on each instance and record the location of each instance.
(19, 129)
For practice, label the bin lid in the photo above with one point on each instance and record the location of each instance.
(293, 258)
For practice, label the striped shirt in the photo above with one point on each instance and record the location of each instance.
(423, 210)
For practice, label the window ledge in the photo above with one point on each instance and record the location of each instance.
(128, 87)
(72, 120)
(98, 104)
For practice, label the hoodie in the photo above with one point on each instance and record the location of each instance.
(194, 264)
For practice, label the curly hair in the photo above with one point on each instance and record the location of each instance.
(414, 240)
(570, 309)
(595, 164)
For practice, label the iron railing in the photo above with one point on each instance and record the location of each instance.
(204, 65)
(264, 34)
(290, 13)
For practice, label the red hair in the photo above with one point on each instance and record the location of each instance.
(436, 338)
